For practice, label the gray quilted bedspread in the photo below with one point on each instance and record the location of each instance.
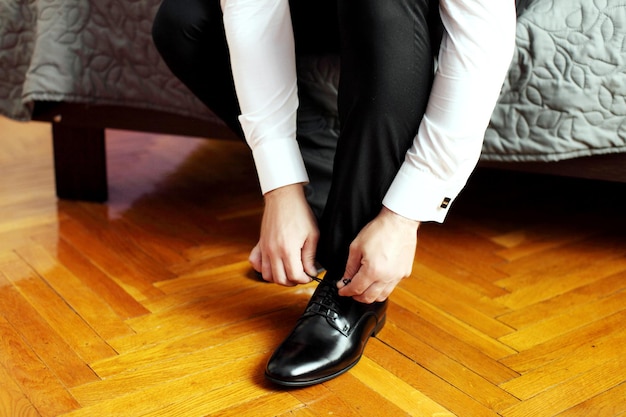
(564, 96)
(565, 92)
(85, 51)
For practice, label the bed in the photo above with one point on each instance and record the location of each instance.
(87, 65)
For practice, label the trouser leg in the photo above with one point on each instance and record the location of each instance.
(386, 76)
(316, 36)
(189, 35)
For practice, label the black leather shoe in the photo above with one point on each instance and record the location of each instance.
(328, 339)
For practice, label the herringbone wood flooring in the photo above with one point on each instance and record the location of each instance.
(145, 306)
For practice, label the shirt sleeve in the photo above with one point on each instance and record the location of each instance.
(260, 39)
(476, 51)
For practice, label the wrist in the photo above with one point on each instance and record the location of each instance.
(285, 192)
(398, 219)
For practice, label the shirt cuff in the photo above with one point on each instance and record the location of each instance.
(279, 163)
(418, 195)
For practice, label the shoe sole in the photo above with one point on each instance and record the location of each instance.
(300, 384)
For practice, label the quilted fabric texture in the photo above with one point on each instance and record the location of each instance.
(17, 41)
(565, 92)
(564, 96)
(85, 51)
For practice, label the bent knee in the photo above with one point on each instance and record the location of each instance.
(180, 21)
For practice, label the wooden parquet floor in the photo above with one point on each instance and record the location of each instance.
(145, 305)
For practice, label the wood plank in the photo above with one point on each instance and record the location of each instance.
(88, 305)
(274, 404)
(470, 356)
(454, 242)
(213, 284)
(46, 343)
(564, 345)
(36, 381)
(23, 237)
(300, 412)
(83, 340)
(321, 399)
(564, 259)
(555, 283)
(204, 314)
(482, 283)
(561, 324)
(210, 348)
(456, 288)
(209, 403)
(452, 372)
(226, 330)
(120, 301)
(560, 304)
(209, 257)
(573, 391)
(130, 268)
(13, 402)
(178, 397)
(448, 396)
(162, 371)
(567, 367)
(536, 239)
(443, 294)
(609, 403)
(407, 398)
(21, 138)
(462, 331)
(345, 395)
(197, 279)
(27, 221)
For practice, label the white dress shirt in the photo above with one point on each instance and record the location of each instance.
(476, 51)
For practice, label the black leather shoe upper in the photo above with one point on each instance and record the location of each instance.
(327, 340)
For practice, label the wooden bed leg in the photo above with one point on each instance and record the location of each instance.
(80, 163)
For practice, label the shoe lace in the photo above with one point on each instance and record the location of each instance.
(324, 300)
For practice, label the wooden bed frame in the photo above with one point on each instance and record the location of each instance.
(80, 147)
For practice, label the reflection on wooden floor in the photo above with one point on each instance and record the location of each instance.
(145, 305)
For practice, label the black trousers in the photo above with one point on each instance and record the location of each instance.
(386, 56)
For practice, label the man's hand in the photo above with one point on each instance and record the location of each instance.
(380, 257)
(285, 253)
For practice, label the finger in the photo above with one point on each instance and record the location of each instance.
(385, 293)
(266, 268)
(308, 257)
(342, 285)
(295, 272)
(353, 265)
(255, 258)
(279, 274)
(351, 287)
(353, 272)
(373, 293)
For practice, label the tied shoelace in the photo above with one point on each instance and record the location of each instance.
(346, 281)
(326, 303)
(324, 300)
(314, 278)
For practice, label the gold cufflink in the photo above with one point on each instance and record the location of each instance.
(445, 203)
